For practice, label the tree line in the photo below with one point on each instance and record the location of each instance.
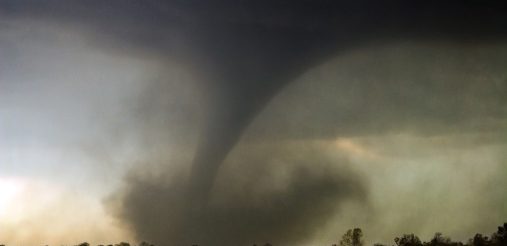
(354, 237)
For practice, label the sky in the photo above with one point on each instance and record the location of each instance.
(109, 127)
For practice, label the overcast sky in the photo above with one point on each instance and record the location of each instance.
(394, 137)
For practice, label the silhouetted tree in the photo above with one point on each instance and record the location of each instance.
(480, 240)
(352, 238)
(408, 240)
(439, 240)
(500, 237)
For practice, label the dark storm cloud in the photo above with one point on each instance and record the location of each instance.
(251, 49)
(246, 52)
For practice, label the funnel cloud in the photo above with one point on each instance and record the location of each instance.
(242, 54)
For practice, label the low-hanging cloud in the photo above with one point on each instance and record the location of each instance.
(283, 194)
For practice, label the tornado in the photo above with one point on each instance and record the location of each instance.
(241, 90)
(276, 43)
(249, 51)
(252, 49)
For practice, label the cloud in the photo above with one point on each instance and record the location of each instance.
(423, 88)
(36, 211)
(277, 194)
(243, 56)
